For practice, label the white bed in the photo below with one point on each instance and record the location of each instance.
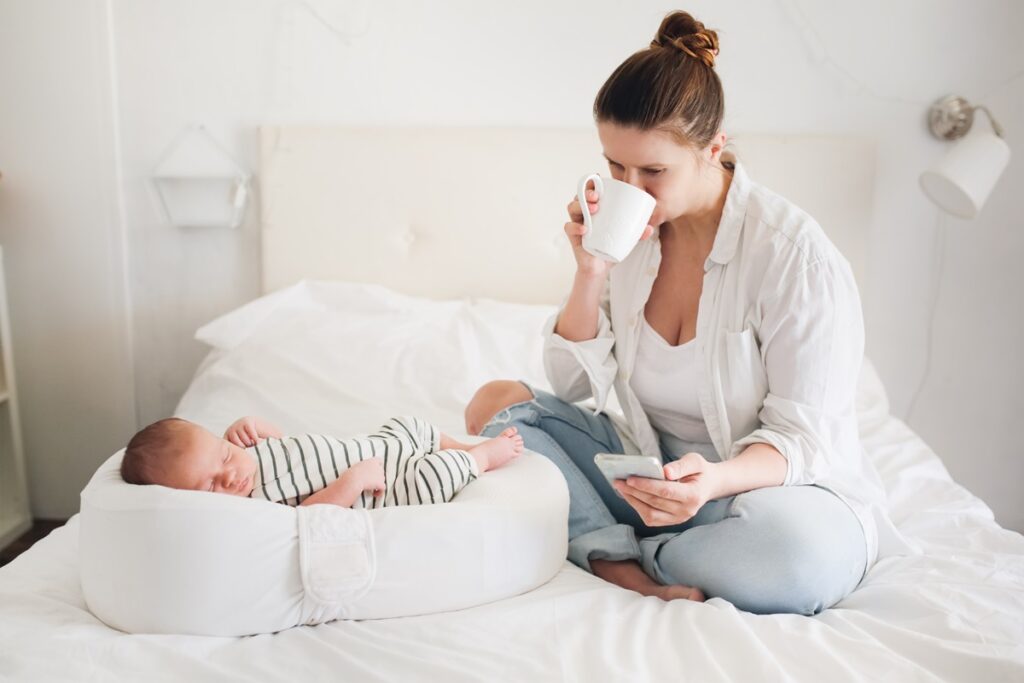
(341, 357)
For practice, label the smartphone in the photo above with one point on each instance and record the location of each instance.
(616, 466)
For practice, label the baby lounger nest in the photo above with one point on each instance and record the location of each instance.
(160, 560)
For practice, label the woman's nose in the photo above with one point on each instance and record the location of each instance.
(633, 178)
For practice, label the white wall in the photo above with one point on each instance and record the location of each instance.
(62, 236)
(788, 66)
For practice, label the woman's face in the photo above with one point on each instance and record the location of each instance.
(674, 174)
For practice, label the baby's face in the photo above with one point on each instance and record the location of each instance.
(210, 463)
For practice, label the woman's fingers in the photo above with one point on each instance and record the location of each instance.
(653, 500)
(674, 501)
(576, 213)
(654, 487)
(650, 515)
(575, 232)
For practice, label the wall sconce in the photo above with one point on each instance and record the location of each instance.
(199, 183)
(962, 179)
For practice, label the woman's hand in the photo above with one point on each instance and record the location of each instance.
(689, 482)
(247, 431)
(586, 262)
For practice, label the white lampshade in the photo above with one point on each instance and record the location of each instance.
(962, 180)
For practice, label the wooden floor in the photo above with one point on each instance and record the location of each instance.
(40, 528)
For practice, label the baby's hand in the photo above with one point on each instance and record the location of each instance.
(370, 475)
(247, 431)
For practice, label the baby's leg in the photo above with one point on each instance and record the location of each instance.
(497, 451)
(439, 475)
(448, 442)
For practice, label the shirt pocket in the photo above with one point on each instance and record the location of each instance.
(744, 381)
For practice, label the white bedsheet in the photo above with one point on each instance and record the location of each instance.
(333, 357)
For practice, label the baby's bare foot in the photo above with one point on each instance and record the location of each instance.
(496, 452)
(680, 592)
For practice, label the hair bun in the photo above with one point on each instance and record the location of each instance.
(680, 31)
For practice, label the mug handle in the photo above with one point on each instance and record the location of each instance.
(581, 195)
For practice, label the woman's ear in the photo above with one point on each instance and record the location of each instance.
(717, 146)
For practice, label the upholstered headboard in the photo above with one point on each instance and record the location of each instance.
(456, 212)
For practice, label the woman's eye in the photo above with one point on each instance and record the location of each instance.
(653, 171)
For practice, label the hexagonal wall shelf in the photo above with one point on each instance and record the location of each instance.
(199, 183)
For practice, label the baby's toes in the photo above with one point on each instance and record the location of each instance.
(509, 433)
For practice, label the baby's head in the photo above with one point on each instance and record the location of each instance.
(182, 455)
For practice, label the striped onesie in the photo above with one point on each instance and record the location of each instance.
(292, 468)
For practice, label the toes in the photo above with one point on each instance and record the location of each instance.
(510, 432)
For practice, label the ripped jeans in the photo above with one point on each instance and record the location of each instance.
(792, 549)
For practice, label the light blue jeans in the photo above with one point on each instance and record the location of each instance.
(794, 549)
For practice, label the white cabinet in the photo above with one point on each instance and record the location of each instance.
(15, 517)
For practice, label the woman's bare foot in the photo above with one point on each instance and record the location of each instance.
(497, 451)
(680, 592)
(629, 574)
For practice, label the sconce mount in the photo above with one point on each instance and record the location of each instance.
(951, 117)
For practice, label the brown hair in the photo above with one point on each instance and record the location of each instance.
(146, 454)
(671, 85)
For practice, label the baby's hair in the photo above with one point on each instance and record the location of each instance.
(146, 454)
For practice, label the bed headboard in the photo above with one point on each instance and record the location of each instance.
(478, 212)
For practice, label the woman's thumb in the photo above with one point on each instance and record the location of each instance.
(683, 467)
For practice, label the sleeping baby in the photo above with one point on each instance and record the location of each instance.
(407, 462)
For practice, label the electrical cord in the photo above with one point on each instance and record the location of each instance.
(814, 44)
(938, 265)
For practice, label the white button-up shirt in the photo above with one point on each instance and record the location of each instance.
(781, 336)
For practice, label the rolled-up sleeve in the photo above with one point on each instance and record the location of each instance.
(812, 344)
(580, 370)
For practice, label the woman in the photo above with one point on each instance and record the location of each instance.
(733, 337)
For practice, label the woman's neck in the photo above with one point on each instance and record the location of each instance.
(697, 229)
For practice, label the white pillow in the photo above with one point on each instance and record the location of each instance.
(160, 560)
(339, 358)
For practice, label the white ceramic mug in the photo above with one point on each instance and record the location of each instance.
(624, 212)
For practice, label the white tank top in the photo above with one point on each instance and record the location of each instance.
(666, 380)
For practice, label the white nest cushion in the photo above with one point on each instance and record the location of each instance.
(160, 560)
